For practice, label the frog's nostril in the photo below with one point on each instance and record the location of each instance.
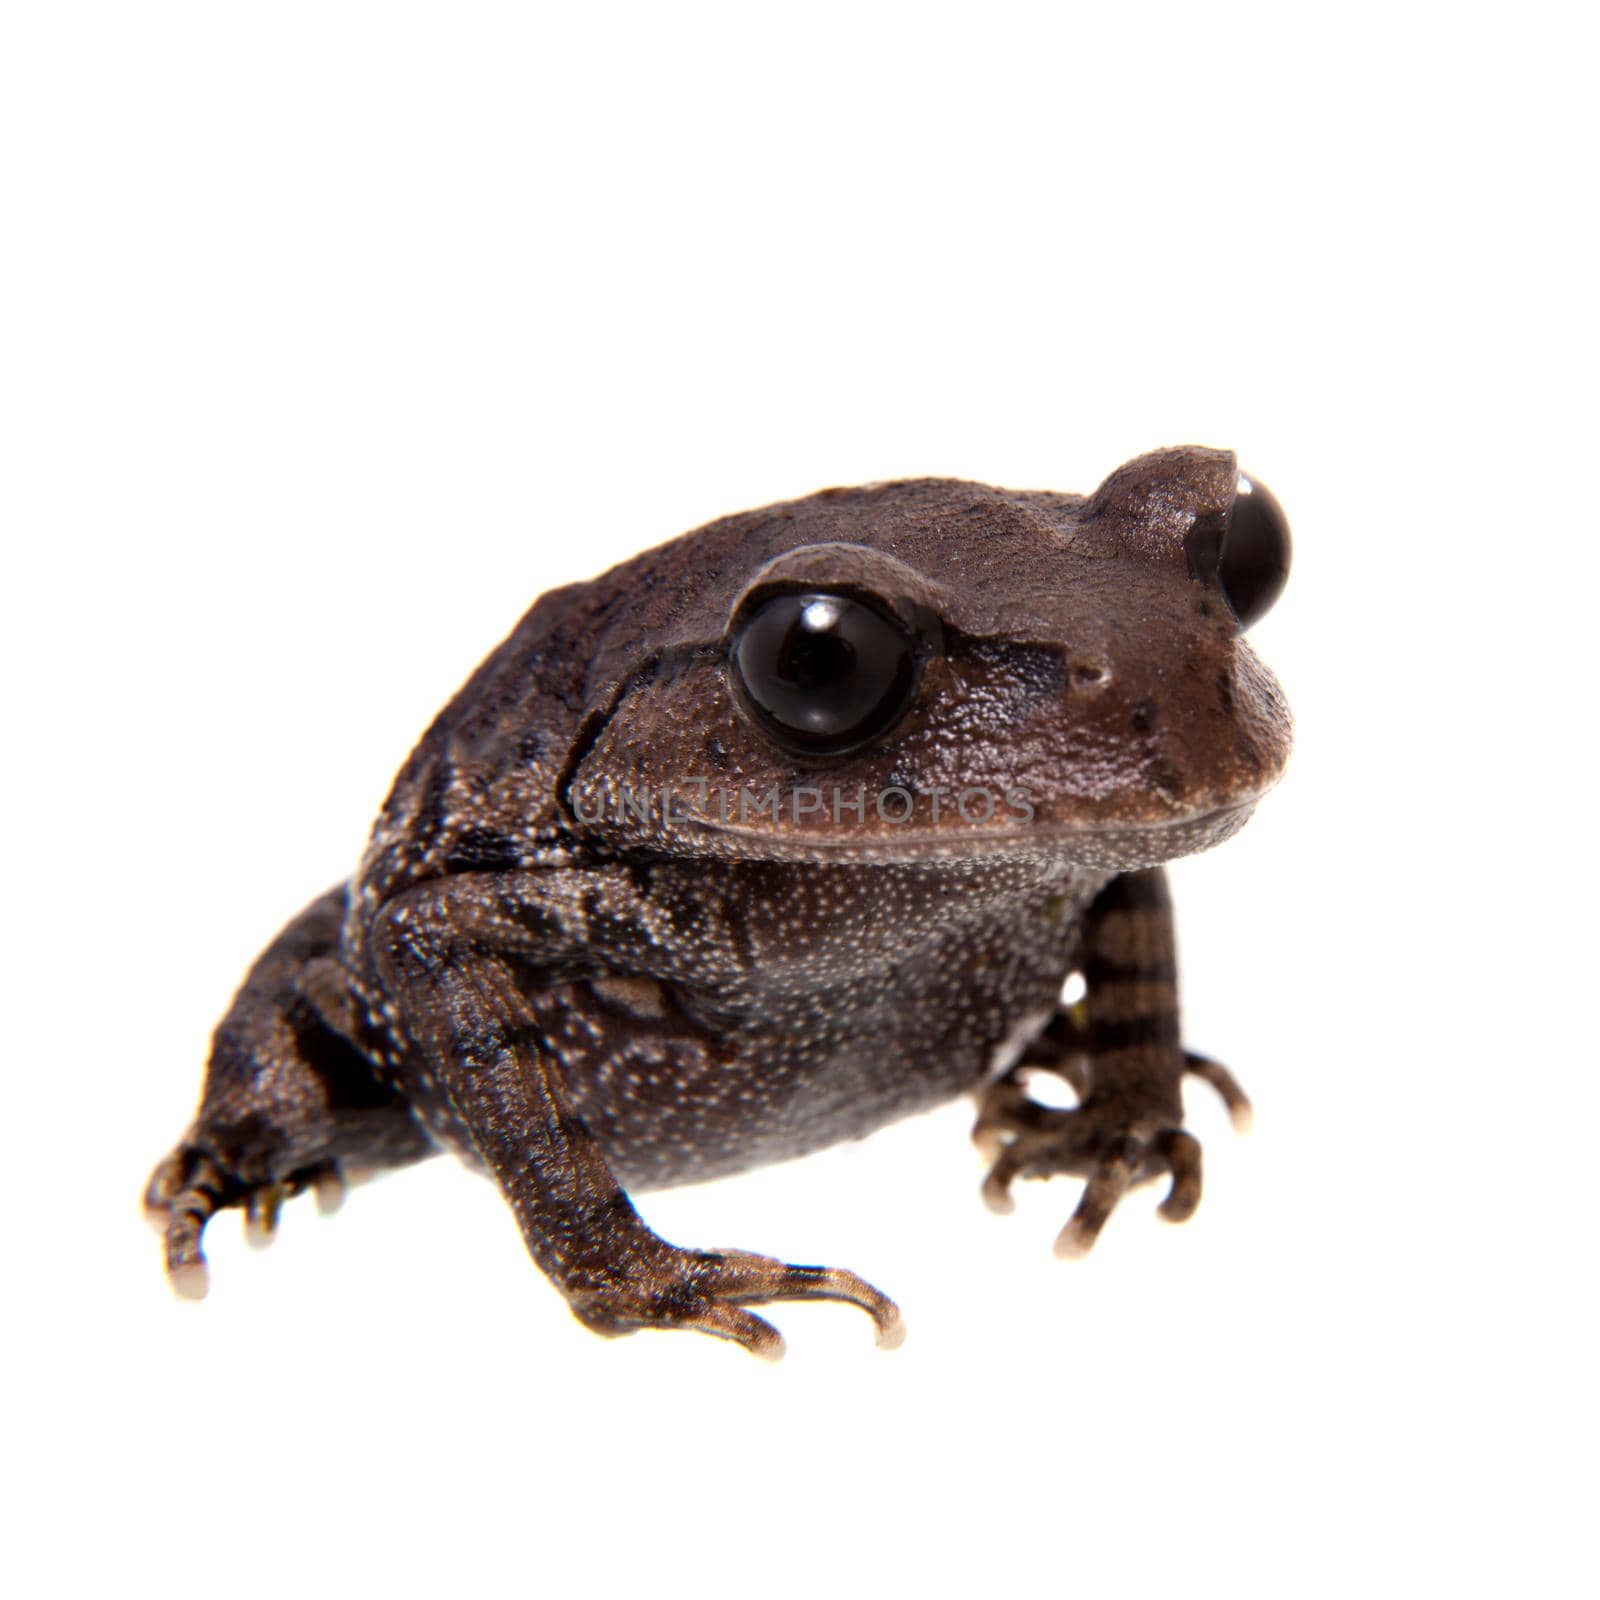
(1090, 674)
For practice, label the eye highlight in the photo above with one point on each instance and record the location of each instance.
(821, 673)
(1248, 557)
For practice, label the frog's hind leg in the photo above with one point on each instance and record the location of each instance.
(296, 1097)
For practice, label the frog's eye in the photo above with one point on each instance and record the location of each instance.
(823, 674)
(1250, 561)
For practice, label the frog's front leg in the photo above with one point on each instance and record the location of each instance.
(1120, 1050)
(451, 953)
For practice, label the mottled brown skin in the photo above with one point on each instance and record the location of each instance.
(576, 1004)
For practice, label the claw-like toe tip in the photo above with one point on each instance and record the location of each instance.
(772, 1350)
(892, 1330)
(190, 1281)
(1073, 1243)
(263, 1210)
(329, 1190)
(258, 1231)
(1243, 1116)
(998, 1198)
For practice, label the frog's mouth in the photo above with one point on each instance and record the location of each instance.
(1114, 846)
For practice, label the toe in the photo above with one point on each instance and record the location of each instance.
(1240, 1111)
(1107, 1184)
(1181, 1152)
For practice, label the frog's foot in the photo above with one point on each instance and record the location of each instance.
(708, 1290)
(1120, 1134)
(190, 1187)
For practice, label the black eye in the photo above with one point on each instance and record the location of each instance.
(824, 673)
(1246, 557)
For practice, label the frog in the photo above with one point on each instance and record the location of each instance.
(814, 818)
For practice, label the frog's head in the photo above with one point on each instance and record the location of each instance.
(937, 668)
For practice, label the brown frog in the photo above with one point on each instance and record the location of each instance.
(779, 831)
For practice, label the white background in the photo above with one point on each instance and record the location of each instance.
(333, 334)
